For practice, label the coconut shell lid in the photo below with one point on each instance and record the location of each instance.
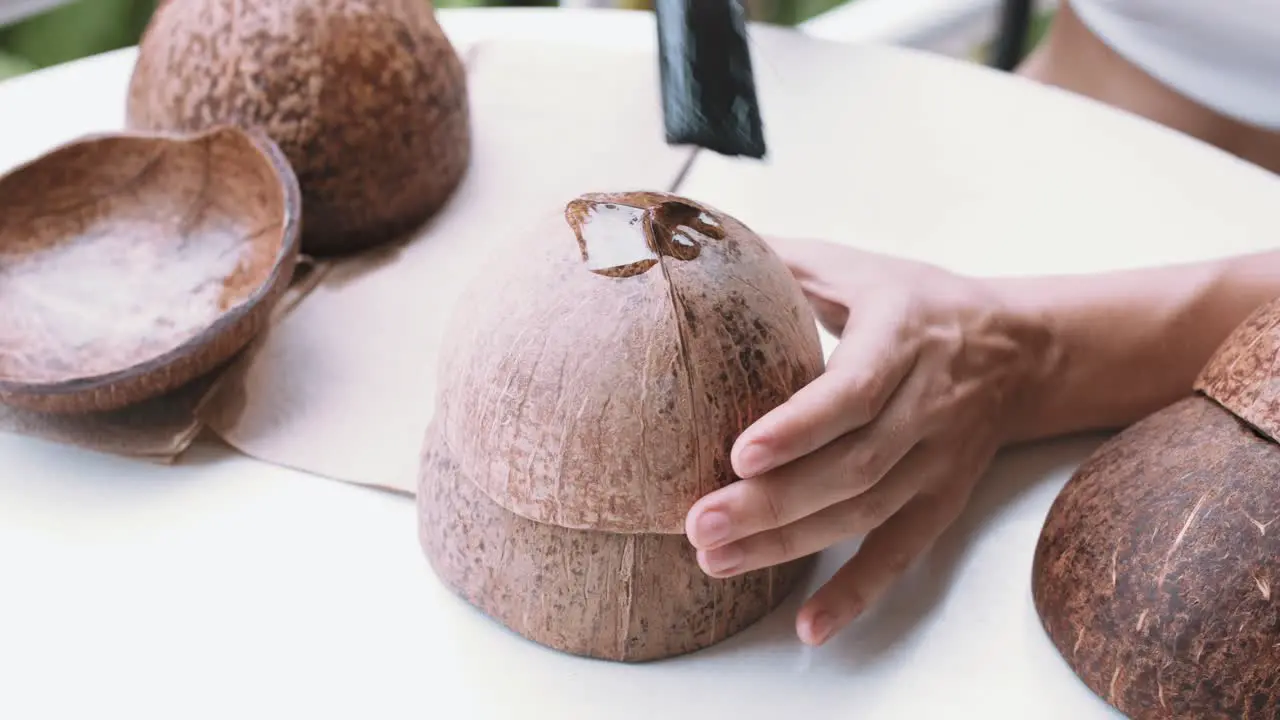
(598, 374)
(1244, 374)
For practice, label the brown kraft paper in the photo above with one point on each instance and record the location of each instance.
(344, 386)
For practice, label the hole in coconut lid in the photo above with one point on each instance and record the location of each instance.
(623, 236)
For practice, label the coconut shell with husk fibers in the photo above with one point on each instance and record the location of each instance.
(134, 263)
(595, 380)
(368, 101)
(1157, 571)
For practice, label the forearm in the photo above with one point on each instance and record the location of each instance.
(1125, 344)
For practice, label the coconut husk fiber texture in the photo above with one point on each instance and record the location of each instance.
(135, 263)
(1157, 570)
(597, 377)
(368, 101)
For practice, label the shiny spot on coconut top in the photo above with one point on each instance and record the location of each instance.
(612, 239)
(621, 239)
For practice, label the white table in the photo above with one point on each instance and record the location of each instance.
(223, 587)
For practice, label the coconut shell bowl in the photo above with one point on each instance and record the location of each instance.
(595, 381)
(1157, 574)
(367, 100)
(131, 264)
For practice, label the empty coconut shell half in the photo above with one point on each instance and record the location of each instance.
(368, 101)
(131, 264)
(595, 380)
(1157, 575)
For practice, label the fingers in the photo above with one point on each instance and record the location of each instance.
(864, 371)
(833, 315)
(811, 260)
(833, 474)
(886, 553)
(850, 518)
(805, 258)
(810, 263)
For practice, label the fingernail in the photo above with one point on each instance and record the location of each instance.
(820, 627)
(712, 527)
(723, 560)
(752, 460)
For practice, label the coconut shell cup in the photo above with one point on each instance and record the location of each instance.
(368, 101)
(131, 264)
(1156, 571)
(596, 379)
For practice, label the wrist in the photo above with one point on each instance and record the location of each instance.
(1122, 345)
(1045, 356)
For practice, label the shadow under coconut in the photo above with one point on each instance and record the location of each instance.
(342, 270)
(1015, 472)
(874, 637)
(774, 634)
(112, 484)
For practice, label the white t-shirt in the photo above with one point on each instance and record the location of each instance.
(1224, 54)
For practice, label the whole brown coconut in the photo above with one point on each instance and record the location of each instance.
(596, 380)
(1155, 572)
(367, 100)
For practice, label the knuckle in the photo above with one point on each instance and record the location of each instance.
(947, 504)
(896, 562)
(784, 545)
(859, 463)
(869, 511)
(767, 504)
(853, 602)
(858, 397)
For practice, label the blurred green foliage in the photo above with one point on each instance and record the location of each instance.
(86, 27)
(89, 27)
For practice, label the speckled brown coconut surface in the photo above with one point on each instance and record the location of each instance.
(597, 377)
(131, 264)
(1244, 375)
(368, 100)
(1158, 568)
(617, 596)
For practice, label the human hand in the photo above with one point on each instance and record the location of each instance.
(928, 381)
